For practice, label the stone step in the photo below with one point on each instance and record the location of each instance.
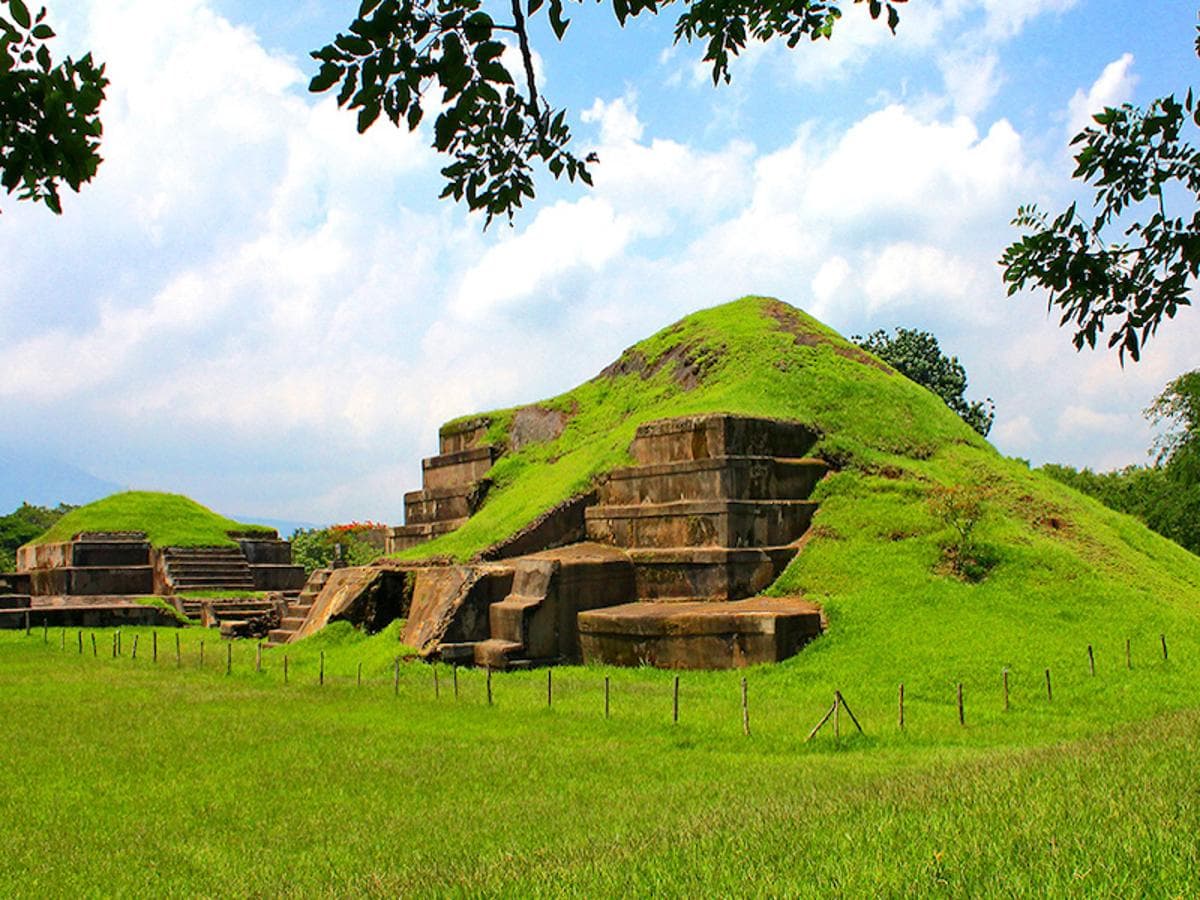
(719, 478)
(711, 573)
(278, 636)
(698, 635)
(495, 654)
(15, 601)
(204, 582)
(701, 523)
(708, 436)
(438, 504)
(463, 652)
(458, 469)
(507, 619)
(410, 535)
(292, 623)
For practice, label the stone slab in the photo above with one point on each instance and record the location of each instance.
(713, 573)
(437, 504)
(273, 577)
(463, 435)
(456, 469)
(698, 635)
(82, 552)
(266, 551)
(722, 477)
(92, 580)
(406, 536)
(704, 437)
(701, 523)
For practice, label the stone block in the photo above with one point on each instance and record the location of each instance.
(265, 551)
(722, 477)
(698, 635)
(705, 437)
(463, 435)
(70, 580)
(274, 577)
(405, 536)
(437, 504)
(701, 523)
(713, 573)
(456, 469)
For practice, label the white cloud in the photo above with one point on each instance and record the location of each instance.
(1113, 87)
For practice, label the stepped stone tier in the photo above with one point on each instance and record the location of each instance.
(123, 563)
(454, 484)
(658, 565)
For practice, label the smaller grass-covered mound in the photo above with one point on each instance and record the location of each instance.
(169, 520)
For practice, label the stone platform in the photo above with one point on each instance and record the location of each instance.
(93, 611)
(698, 635)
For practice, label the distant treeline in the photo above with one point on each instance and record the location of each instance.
(22, 525)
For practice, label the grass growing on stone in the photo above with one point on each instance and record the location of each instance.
(131, 776)
(169, 520)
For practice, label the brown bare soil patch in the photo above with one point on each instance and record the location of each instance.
(792, 324)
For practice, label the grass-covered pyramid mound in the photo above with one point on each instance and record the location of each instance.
(169, 520)
(1056, 571)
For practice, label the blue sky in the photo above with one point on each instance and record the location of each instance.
(257, 307)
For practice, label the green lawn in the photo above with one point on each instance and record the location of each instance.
(132, 776)
(169, 520)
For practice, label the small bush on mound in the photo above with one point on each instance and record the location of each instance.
(960, 507)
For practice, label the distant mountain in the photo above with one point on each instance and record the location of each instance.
(45, 481)
(285, 527)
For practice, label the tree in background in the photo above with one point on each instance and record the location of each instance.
(314, 548)
(1166, 494)
(917, 355)
(1134, 263)
(49, 123)
(23, 525)
(493, 126)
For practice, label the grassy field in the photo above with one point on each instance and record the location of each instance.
(134, 776)
(169, 520)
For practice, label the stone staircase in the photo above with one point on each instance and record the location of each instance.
(713, 507)
(453, 482)
(298, 609)
(206, 568)
(521, 625)
(222, 609)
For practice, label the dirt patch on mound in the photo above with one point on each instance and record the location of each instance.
(535, 425)
(687, 363)
(792, 324)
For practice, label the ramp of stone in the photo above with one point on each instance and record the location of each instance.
(698, 635)
(369, 596)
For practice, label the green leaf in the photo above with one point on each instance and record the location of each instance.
(326, 77)
(20, 12)
(477, 27)
(43, 32)
(558, 22)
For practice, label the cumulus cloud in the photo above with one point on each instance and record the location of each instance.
(1113, 87)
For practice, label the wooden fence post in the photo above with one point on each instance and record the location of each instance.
(1128, 655)
(154, 646)
(837, 718)
(901, 702)
(94, 645)
(1049, 692)
(81, 643)
(285, 668)
(135, 640)
(549, 689)
(62, 639)
(962, 719)
(396, 677)
(745, 709)
(454, 672)
(437, 688)
(258, 657)
(45, 630)
(606, 696)
(202, 653)
(489, 685)
(229, 658)
(675, 704)
(178, 651)
(321, 674)
(114, 652)
(1006, 690)
(1163, 638)
(1091, 661)
(360, 673)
